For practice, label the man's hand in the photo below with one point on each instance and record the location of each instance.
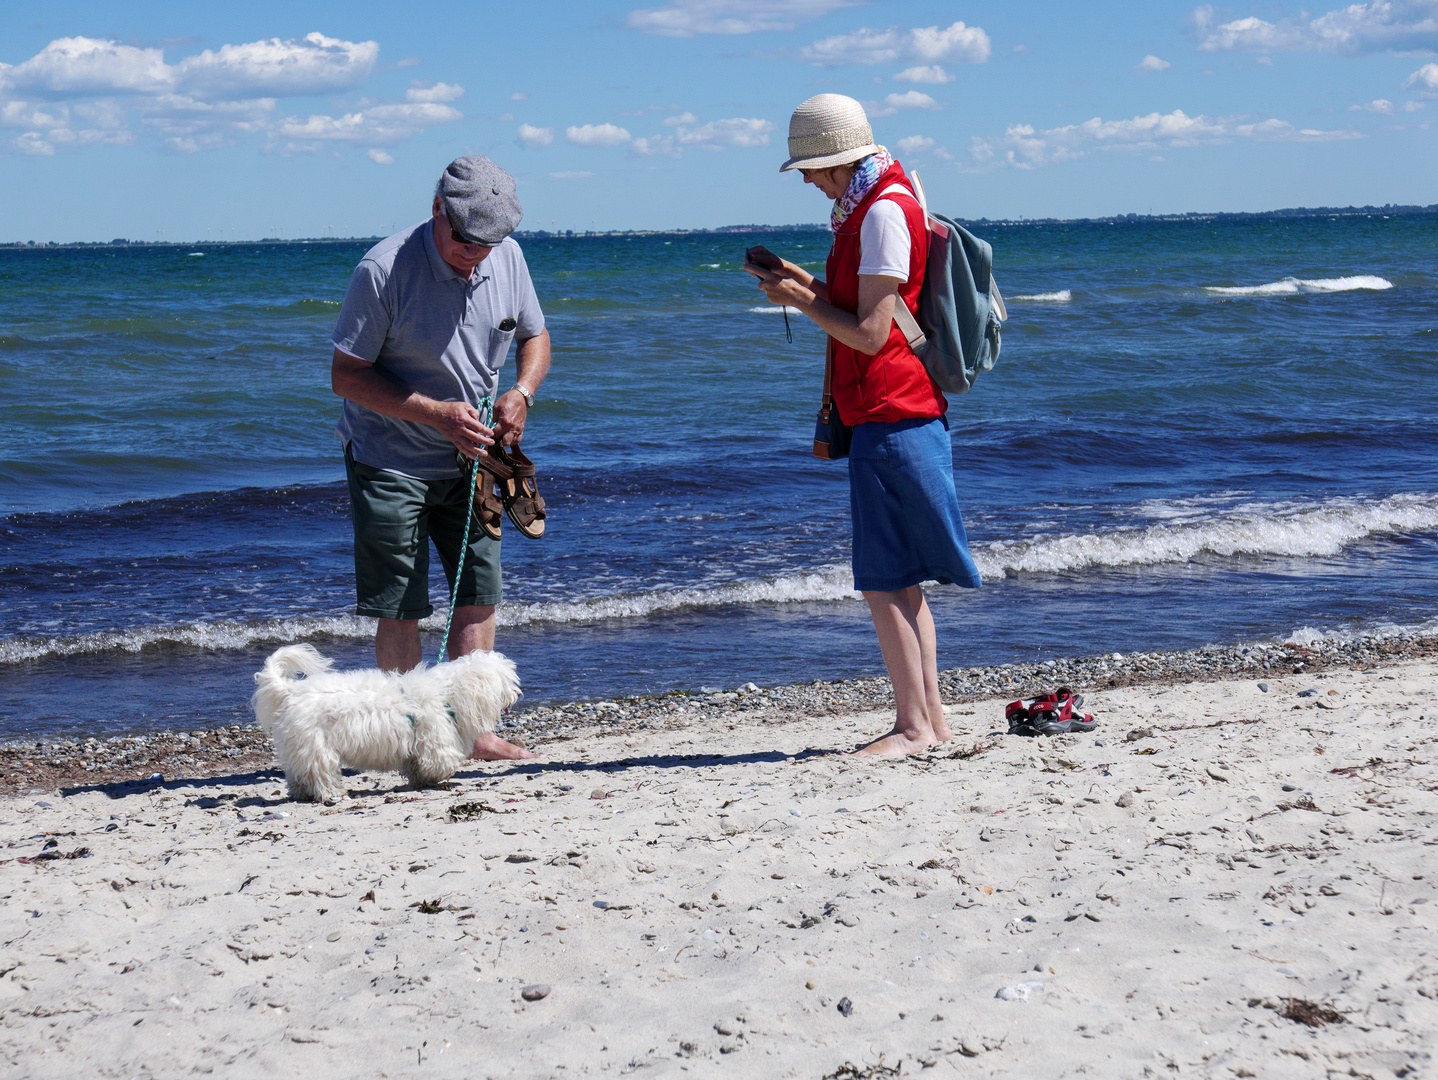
(510, 412)
(458, 421)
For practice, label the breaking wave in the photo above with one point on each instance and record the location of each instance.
(1293, 530)
(1183, 533)
(1293, 286)
(1063, 296)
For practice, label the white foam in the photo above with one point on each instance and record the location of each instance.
(774, 309)
(832, 582)
(1293, 286)
(1185, 531)
(1295, 530)
(1310, 636)
(1063, 296)
(213, 636)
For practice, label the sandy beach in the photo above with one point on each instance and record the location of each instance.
(1232, 878)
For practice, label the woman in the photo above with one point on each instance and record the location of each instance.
(907, 526)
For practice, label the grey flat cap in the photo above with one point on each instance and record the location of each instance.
(479, 198)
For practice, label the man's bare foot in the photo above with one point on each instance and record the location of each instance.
(490, 747)
(896, 744)
(941, 729)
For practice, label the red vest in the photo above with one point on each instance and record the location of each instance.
(892, 384)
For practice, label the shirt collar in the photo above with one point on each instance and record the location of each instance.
(442, 270)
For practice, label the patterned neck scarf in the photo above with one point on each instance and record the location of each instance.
(866, 175)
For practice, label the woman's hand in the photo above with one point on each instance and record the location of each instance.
(771, 270)
(765, 259)
(788, 292)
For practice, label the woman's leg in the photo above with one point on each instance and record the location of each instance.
(928, 648)
(906, 639)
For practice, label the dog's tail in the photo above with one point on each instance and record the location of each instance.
(271, 681)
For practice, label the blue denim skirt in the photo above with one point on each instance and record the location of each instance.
(907, 525)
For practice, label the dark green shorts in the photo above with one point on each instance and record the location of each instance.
(395, 517)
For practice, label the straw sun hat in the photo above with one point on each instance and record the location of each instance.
(828, 130)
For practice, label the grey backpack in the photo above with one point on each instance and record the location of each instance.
(961, 313)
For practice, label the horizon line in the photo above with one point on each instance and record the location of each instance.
(1388, 209)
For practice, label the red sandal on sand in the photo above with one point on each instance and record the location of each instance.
(1049, 714)
(1054, 714)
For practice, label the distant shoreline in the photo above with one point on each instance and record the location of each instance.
(1389, 210)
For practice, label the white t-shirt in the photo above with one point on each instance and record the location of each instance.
(884, 241)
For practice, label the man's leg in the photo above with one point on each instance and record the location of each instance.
(473, 629)
(396, 644)
(391, 553)
(900, 641)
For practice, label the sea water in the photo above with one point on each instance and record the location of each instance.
(1198, 432)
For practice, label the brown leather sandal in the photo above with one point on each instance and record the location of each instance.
(522, 500)
(488, 508)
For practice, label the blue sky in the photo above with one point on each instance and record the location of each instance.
(189, 121)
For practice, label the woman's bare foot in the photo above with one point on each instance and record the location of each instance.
(941, 728)
(490, 747)
(897, 743)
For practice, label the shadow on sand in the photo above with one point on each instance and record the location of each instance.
(533, 767)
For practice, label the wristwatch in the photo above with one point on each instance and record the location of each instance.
(528, 397)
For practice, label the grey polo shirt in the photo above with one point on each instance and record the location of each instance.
(426, 328)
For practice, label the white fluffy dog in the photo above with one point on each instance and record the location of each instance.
(422, 723)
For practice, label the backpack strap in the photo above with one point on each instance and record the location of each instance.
(903, 317)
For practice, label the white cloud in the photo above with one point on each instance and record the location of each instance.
(958, 44)
(79, 91)
(725, 134)
(913, 99)
(1381, 106)
(687, 18)
(192, 125)
(314, 65)
(535, 136)
(1152, 63)
(518, 96)
(930, 74)
(734, 133)
(379, 157)
(44, 142)
(597, 135)
(408, 61)
(569, 175)
(24, 114)
(1424, 80)
(892, 103)
(1375, 26)
(1022, 147)
(650, 145)
(380, 125)
(79, 65)
(440, 92)
(913, 144)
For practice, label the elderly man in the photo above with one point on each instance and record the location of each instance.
(425, 327)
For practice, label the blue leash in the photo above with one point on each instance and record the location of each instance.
(486, 411)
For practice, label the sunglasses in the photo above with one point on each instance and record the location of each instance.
(458, 237)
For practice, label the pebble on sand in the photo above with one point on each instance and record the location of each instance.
(1021, 991)
(536, 992)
